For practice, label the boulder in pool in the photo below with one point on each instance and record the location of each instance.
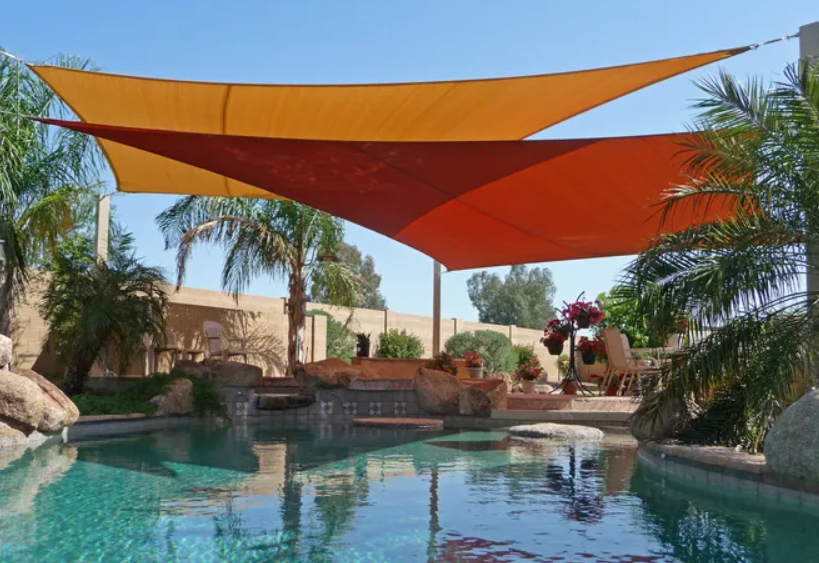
(234, 374)
(480, 397)
(331, 373)
(551, 431)
(178, 400)
(58, 410)
(792, 444)
(5, 351)
(21, 402)
(437, 391)
(10, 439)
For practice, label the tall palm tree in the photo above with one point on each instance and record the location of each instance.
(281, 239)
(96, 306)
(47, 178)
(756, 162)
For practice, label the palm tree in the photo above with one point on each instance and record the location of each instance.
(756, 165)
(96, 307)
(47, 178)
(281, 239)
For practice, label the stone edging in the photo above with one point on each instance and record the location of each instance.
(726, 469)
(112, 425)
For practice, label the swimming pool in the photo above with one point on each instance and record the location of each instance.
(349, 494)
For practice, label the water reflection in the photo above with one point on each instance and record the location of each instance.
(346, 494)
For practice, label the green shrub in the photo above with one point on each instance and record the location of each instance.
(495, 349)
(340, 339)
(524, 353)
(399, 344)
(136, 398)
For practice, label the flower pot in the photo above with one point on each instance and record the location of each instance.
(570, 388)
(583, 321)
(613, 388)
(528, 387)
(589, 357)
(555, 348)
(475, 373)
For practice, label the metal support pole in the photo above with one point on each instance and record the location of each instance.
(103, 226)
(809, 49)
(436, 308)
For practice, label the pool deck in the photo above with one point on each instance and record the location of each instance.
(727, 470)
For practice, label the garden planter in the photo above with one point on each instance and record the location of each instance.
(475, 373)
(528, 387)
(363, 347)
(555, 348)
(589, 357)
(613, 388)
(570, 388)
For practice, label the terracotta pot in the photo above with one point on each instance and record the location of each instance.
(475, 373)
(555, 348)
(614, 386)
(570, 388)
(589, 357)
(528, 387)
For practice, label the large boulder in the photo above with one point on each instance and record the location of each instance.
(178, 399)
(5, 351)
(58, 410)
(21, 402)
(479, 398)
(671, 418)
(189, 368)
(10, 439)
(437, 391)
(330, 374)
(792, 444)
(551, 431)
(505, 377)
(234, 374)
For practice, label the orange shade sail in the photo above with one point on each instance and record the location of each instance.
(466, 204)
(467, 110)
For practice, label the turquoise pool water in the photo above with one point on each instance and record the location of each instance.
(343, 495)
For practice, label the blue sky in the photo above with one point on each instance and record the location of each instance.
(382, 41)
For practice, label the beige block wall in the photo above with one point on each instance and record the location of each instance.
(263, 322)
(260, 320)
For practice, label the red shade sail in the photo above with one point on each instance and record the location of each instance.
(466, 204)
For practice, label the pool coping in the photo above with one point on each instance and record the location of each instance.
(118, 424)
(725, 468)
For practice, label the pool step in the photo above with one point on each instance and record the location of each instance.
(282, 401)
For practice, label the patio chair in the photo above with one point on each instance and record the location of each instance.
(171, 345)
(621, 366)
(220, 343)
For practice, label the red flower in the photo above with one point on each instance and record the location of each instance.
(473, 360)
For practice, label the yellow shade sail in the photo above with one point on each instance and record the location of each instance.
(467, 110)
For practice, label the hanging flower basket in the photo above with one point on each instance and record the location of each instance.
(555, 347)
(588, 356)
(589, 349)
(553, 341)
(584, 320)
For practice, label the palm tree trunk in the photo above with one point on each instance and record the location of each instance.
(297, 313)
(77, 374)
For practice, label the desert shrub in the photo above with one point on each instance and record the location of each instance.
(340, 339)
(495, 349)
(207, 401)
(524, 353)
(399, 344)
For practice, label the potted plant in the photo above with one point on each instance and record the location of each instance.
(554, 342)
(444, 362)
(474, 364)
(561, 327)
(363, 346)
(588, 350)
(528, 373)
(584, 313)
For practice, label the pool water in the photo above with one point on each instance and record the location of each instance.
(343, 494)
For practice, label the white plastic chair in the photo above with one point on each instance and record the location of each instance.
(219, 342)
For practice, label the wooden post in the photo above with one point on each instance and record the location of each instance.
(103, 226)
(809, 49)
(436, 308)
